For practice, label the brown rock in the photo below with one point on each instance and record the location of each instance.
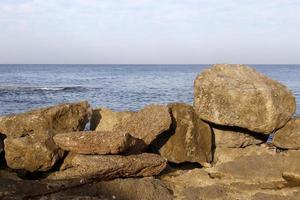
(189, 140)
(29, 144)
(264, 169)
(119, 189)
(106, 167)
(97, 142)
(122, 189)
(148, 123)
(288, 137)
(109, 119)
(145, 124)
(237, 95)
(234, 137)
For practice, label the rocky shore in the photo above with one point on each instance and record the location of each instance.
(219, 148)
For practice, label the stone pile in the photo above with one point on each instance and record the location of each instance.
(225, 133)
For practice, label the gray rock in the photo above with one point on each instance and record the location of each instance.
(237, 95)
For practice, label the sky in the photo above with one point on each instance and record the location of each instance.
(149, 31)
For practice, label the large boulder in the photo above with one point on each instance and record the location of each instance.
(237, 95)
(107, 167)
(234, 137)
(146, 124)
(288, 137)
(97, 142)
(189, 139)
(29, 136)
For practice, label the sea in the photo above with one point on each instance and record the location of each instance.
(119, 87)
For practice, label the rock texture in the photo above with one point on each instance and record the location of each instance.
(237, 95)
(119, 189)
(145, 124)
(233, 137)
(189, 140)
(251, 173)
(97, 142)
(288, 137)
(29, 136)
(110, 120)
(106, 167)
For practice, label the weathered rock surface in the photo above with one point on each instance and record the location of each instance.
(97, 142)
(106, 167)
(233, 137)
(29, 136)
(145, 124)
(198, 184)
(104, 119)
(119, 189)
(264, 169)
(288, 137)
(189, 140)
(122, 189)
(237, 95)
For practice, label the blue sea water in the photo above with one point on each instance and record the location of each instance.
(120, 87)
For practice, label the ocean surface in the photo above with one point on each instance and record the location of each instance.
(119, 87)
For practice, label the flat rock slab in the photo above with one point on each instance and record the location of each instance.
(288, 137)
(146, 124)
(29, 136)
(119, 189)
(189, 140)
(237, 95)
(106, 167)
(97, 142)
(265, 169)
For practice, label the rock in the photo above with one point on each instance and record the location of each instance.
(234, 137)
(189, 140)
(31, 153)
(293, 178)
(109, 119)
(107, 167)
(29, 136)
(288, 137)
(145, 124)
(131, 189)
(97, 142)
(237, 95)
(119, 189)
(264, 170)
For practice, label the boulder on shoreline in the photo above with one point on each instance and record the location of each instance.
(146, 124)
(106, 167)
(189, 139)
(98, 142)
(288, 137)
(237, 95)
(29, 136)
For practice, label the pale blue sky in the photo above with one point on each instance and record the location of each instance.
(149, 31)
